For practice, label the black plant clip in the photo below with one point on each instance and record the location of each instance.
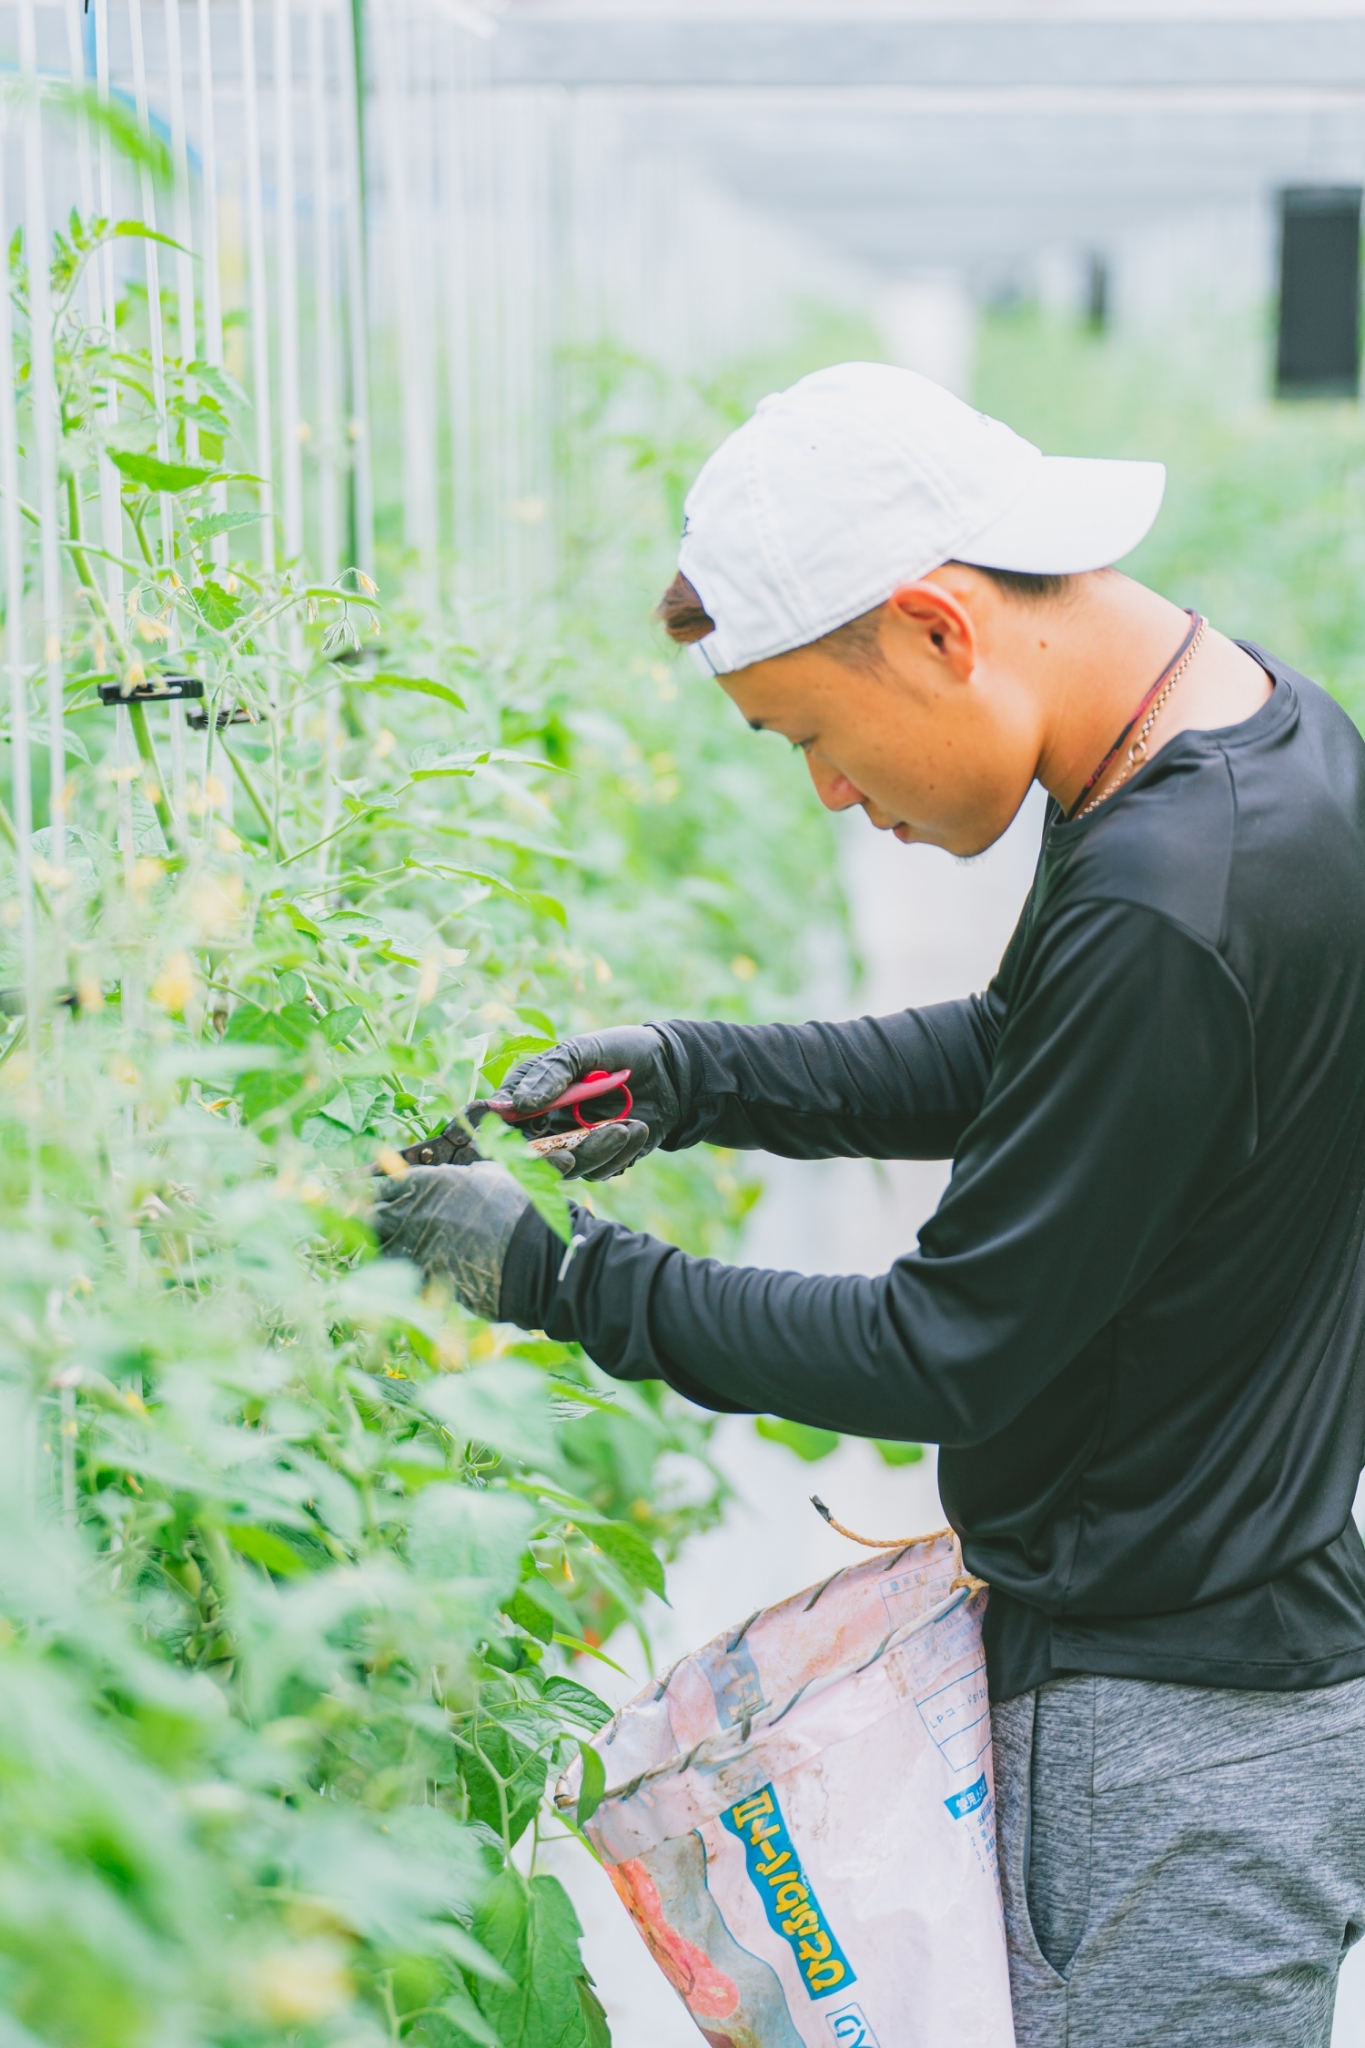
(198, 721)
(157, 689)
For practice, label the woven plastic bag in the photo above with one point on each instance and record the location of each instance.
(800, 1818)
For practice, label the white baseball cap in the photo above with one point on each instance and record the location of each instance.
(862, 478)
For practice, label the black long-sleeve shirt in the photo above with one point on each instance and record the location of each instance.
(1135, 1321)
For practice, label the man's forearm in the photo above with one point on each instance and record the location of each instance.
(899, 1087)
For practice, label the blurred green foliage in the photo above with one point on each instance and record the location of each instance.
(302, 1570)
(1263, 525)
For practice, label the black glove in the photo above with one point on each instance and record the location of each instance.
(610, 1148)
(456, 1223)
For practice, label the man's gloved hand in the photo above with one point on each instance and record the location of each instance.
(456, 1223)
(610, 1148)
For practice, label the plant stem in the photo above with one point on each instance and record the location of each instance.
(8, 830)
(255, 796)
(137, 717)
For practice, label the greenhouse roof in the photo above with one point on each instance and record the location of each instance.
(904, 136)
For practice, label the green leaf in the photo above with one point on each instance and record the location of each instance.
(527, 1613)
(155, 475)
(221, 522)
(534, 1175)
(522, 1770)
(459, 1532)
(265, 1548)
(577, 1702)
(422, 686)
(217, 606)
(503, 1404)
(136, 230)
(339, 1024)
(596, 2031)
(808, 1442)
(581, 1648)
(547, 906)
(593, 1783)
(630, 1550)
(460, 2009)
(114, 118)
(892, 1453)
(533, 1931)
(213, 377)
(494, 1070)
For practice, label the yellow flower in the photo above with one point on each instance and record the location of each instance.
(298, 1986)
(174, 986)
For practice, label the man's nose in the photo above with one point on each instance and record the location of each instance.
(832, 786)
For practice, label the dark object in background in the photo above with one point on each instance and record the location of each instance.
(198, 721)
(1319, 352)
(158, 689)
(1097, 295)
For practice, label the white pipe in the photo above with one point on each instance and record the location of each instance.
(13, 550)
(44, 402)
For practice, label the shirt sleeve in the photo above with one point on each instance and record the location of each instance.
(900, 1087)
(1121, 1101)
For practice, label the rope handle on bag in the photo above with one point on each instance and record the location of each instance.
(903, 1543)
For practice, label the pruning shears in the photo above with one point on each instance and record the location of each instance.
(453, 1146)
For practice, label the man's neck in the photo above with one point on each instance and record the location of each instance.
(1099, 654)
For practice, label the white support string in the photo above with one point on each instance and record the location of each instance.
(328, 545)
(416, 410)
(184, 289)
(156, 337)
(286, 274)
(286, 270)
(325, 439)
(13, 549)
(111, 512)
(42, 383)
(208, 241)
(357, 308)
(183, 216)
(85, 181)
(453, 144)
(213, 353)
(257, 287)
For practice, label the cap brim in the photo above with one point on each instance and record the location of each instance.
(1077, 513)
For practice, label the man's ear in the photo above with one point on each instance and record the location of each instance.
(940, 625)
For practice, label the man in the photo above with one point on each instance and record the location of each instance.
(1134, 1323)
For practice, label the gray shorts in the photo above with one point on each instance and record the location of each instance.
(1180, 1865)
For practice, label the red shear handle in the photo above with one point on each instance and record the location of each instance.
(589, 1089)
(592, 1086)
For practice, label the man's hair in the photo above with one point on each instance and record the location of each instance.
(857, 643)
